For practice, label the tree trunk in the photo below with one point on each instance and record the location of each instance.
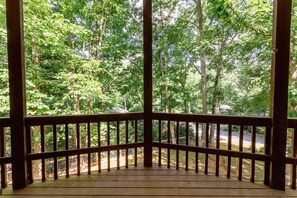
(164, 72)
(90, 105)
(172, 131)
(35, 51)
(72, 70)
(217, 84)
(168, 104)
(203, 68)
(215, 101)
(293, 78)
(102, 27)
(203, 83)
(36, 130)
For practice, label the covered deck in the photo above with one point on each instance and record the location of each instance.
(232, 167)
(163, 171)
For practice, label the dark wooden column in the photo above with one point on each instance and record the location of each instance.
(279, 91)
(16, 65)
(147, 76)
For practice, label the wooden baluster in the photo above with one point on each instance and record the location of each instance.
(229, 148)
(240, 150)
(43, 176)
(127, 141)
(294, 152)
(160, 140)
(267, 147)
(252, 176)
(218, 147)
(3, 154)
(29, 150)
(118, 142)
(55, 149)
(177, 142)
(108, 144)
(135, 140)
(89, 146)
(197, 144)
(187, 143)
(99, 144)
(207, 145)
(78, 147)
(66, 148)
(168, 141)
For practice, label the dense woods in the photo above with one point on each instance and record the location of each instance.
(85, 57)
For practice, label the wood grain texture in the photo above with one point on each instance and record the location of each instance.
(146, 182)
(279, 91)
(147, 80)
(17, 99)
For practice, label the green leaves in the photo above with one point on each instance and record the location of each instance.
(87, 56)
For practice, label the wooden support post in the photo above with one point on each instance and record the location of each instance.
(147, 76)
(279, 91)
(16, 64)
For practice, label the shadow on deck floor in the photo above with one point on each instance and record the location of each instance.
(139, 182)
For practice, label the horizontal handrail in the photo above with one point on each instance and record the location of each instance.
(36, 156)
(291, 160)
(292, 123)
(4, 122)
(67, 119)
(229, 153)
(5, 160)
(222, 119)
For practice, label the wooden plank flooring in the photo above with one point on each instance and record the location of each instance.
(146, 182)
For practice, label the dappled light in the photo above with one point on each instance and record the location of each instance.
(200, 86)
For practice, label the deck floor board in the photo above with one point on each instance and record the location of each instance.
(152, 182)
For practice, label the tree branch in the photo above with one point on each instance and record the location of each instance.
(248, 26)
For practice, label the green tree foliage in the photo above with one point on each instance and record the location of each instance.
(86, 57)
(234, 40)
(4, 100)
(79, 55)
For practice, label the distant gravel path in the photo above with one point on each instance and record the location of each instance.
(246, 139)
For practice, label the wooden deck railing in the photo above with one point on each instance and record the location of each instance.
(229, 144)
(210, 122)
(81, 126)
(5, 159)
(291, 159)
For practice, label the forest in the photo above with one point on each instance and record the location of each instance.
(86, 57)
